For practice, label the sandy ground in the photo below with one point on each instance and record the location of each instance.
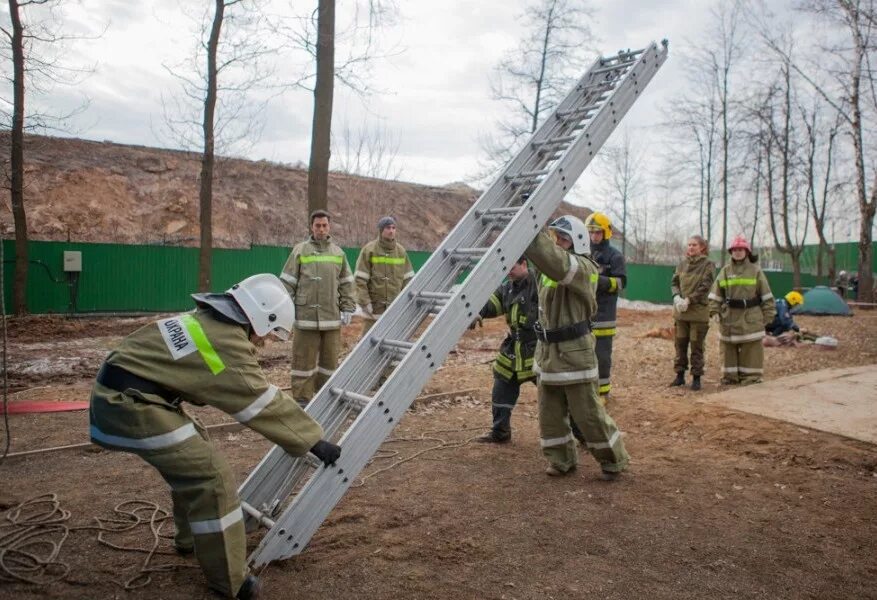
(716, 504)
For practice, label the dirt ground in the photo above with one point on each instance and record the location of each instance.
(716, 503)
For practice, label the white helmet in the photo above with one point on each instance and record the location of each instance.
(267, 304)
(573, 229)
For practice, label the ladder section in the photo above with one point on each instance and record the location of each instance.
(412, 338)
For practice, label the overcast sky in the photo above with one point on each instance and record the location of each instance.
(434, 93)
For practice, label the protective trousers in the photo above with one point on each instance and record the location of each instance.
(504, 397)
(693, 333)
(603, 349)
(582, 403)
(314, 359)
(206, 508)
(743, 363)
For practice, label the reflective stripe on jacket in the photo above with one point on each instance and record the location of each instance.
(567, 295)
(206, 361)
(320, 282)
(612, 279)
(382, 271)
(741, 280)
(519, 302)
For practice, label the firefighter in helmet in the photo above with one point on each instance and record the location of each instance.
(744, 304)
(204, 357)
(564, 359)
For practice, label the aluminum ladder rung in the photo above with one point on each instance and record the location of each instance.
(395, 344)
(526, 175)
(553, 142)
(435, 295)
(358, 401)
(509, 211)
(615, 67)
(575, 112)
(258, 515)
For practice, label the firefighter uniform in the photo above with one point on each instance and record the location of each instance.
(321, 285)
(136, 406)
(518, 300)
(612, 279)
(565, 360)
(742, 299)
(692, 280)
(382, 270)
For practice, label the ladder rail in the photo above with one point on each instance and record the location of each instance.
(327, 486)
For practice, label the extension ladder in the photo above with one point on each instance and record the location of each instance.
(415, 334)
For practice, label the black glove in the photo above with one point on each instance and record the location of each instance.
(326, 452)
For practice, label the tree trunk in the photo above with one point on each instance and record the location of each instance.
(318, 170)
(205, 258)
(19, 217)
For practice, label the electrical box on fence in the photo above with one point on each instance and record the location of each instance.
(72, 261)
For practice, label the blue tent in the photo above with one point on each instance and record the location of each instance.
(822, 300)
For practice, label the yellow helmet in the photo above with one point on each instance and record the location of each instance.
(598, 221)
(794, 298)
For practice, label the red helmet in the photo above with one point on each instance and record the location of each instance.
(740, 242)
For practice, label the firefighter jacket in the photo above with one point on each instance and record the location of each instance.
(203, 359)
(320, 282)
(783, 320)
(567, 288)
(742, 298)
(693, 279)
(612, 279)
(518, 300)
(382, 270)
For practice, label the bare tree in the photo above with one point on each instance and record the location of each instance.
(317, 35)
(217, 110)
(853, 94)
(536, 74)
(623, 182)
(36, 46)
(369, 151)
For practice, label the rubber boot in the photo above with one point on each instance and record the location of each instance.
(680, 379)
(695, 383)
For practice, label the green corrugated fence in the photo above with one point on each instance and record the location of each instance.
(127, 278)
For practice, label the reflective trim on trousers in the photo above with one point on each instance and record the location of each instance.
(604, 325)
(737, 339)
(604, 332)
(209, 526)
(604, 389)
(257, 406)
(509, 406)
(750, 370)
(317, 324)
(154, 442)
(605, 445)
(548, 442)
(290, 279)
(569, 376)
(362, 275)
(295, 373)
(323, 371)
(573, 269)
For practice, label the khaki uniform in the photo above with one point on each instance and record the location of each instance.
(742, 298)
(321, 285)
(197, 358)
(692, 279)
(382, 271)
(518, 300)
(568, 370)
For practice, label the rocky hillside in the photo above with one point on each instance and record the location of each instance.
(104, 192)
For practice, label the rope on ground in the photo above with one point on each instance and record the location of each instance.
(424, 437)
(34, 532)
